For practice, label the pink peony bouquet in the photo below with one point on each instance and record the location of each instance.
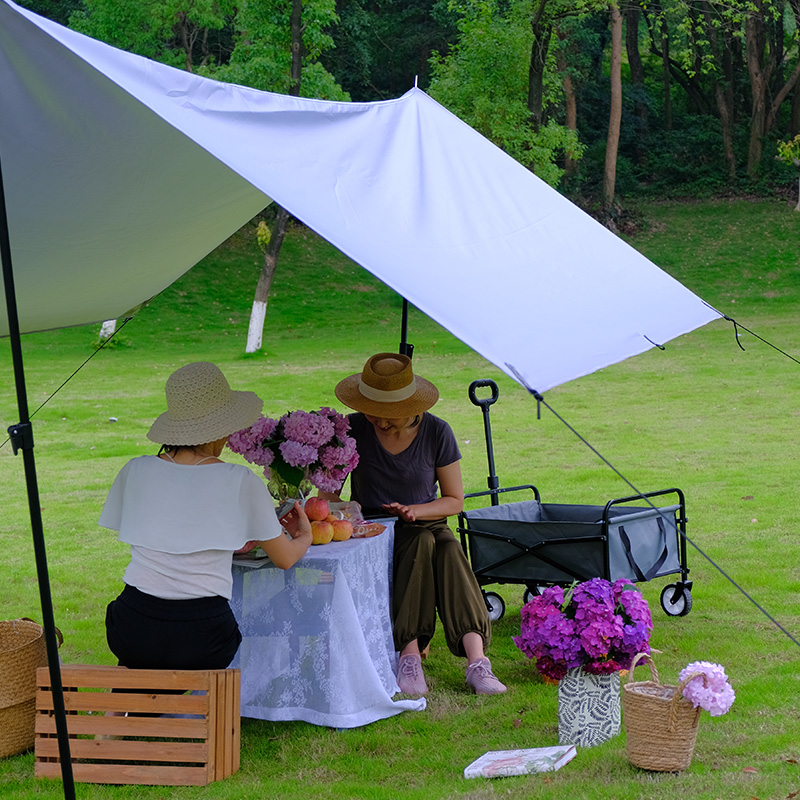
(301, 447)
(596, 625)
(712, 693)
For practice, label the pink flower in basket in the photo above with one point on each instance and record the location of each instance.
(300, 447)
(597, 625)
(712, 693)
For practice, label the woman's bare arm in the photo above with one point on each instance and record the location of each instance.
(283, 551)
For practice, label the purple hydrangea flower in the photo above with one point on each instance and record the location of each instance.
(308, 427)
(298, 455)
(597, 626)
(315, 441)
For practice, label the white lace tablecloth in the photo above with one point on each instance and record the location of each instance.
(317, 638)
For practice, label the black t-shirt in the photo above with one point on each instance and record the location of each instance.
(408, 477)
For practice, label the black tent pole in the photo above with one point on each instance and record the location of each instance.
(406, 349)
(21, 436)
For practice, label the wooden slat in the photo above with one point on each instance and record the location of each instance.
(129, 750)
(142, 775)
(154, 704)
(85, 676)
(83, 724)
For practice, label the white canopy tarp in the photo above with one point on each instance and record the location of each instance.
(121, 173)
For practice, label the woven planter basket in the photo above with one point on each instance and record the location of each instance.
(660, 723)
(22, 650)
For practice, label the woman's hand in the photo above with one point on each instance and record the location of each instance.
(296, 521)
(406, 513)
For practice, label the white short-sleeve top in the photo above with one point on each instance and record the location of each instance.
(183, 523)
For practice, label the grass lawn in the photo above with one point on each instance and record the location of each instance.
(718, 421)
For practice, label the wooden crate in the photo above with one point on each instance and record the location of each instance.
(169, 738)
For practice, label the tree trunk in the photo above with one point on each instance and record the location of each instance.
(186, 44)
(791, 84)
(794, 121)
(259, 311)
(615, 114)
(632, 14)
(667, 80)
(722, 79)
(536, 68)
(754, 32)
(570, 106)
(726, 124)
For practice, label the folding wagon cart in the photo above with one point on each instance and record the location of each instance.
(540, 544)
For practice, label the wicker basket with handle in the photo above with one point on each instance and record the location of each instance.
(660, 723)
(22, 650)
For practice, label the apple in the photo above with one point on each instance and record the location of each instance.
(317, 508)
(321, 531)
(342, 530)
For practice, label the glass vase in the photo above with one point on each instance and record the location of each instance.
(588, 708)
(285, 493)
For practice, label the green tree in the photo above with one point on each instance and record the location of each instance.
(59, 12)
(278, 46)
(383, 47)
(265, 52)
(486, 80)
(181, 33)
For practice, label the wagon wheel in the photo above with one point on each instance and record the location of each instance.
(495, 605)
(533, 590)
(676, 600)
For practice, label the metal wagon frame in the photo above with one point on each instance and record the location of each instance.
(542, 544)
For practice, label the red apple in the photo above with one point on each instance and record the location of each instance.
(321, 531)
(317, 508)
(342, 530)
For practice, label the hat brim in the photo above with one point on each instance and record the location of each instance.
(241, 412)
(424, 397)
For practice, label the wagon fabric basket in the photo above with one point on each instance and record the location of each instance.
(22, 650)
(660, 723)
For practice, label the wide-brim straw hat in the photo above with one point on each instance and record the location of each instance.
(202, 407)
(387, 388)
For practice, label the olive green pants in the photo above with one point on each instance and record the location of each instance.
(431, 573)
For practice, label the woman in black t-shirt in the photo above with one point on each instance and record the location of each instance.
(404, 453)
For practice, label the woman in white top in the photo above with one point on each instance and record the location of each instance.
(184, 512)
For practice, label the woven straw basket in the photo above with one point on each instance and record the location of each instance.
(22, 650)
(660, 723)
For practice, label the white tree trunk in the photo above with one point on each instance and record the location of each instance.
(256, 330)
(108, 328)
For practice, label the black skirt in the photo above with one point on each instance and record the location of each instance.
(146, 632)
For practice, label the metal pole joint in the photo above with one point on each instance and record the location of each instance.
(21, 436)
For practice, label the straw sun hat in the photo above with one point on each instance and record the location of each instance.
(202, 407)
(387, 388)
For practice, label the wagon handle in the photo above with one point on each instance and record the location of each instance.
(493, 481)
(487, 401)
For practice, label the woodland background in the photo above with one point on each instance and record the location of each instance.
(672, 98)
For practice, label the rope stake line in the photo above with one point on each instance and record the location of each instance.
(737, 325)
(541, 401)
(53, 394)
